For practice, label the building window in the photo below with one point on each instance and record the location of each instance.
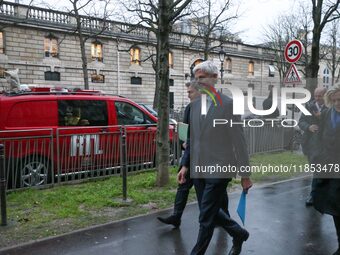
(228, 65)
(51, 46)
(171, 100)
(2, 72)
(97, 78)
(135, 55)
(171, 82)
(197, 61)
(271, 71)
(52, 76)
(136, 80)
(251, 68)
(97, 51)
(326, 77)
(171, 60)
(251, 85)
(1, 43)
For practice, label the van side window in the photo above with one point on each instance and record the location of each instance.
(128, 114)
(82, 113)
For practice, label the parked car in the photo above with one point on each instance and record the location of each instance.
(51, 134)
(150, 109)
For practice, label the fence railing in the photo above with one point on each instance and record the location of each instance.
(46, 156)
(42, 157)
(267, 138)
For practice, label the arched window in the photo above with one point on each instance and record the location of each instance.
(228, 65)
(51, 46)
(197, 61)
(326, 77)
(251, 68)
(97, 51)
(135, 55)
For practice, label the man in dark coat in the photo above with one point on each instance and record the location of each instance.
(310, 126)
(214, 146)
(327, 189)
(184, 188)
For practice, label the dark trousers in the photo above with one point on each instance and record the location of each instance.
(182, 197)
(211, 198)
(337, 227)
(313, 186)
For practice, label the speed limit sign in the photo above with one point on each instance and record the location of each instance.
(293, 51)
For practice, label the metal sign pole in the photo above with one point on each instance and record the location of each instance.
(123, 161)
(293, 115)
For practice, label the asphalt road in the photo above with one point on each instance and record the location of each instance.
(277, 219)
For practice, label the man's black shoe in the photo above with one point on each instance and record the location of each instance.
(237, 243)
(337, 252)
(171, 220)
(310, 201)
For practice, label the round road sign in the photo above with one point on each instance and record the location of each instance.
(293, 51)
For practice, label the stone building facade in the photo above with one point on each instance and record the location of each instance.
(41, 43)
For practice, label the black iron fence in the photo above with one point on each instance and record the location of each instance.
(46, 157)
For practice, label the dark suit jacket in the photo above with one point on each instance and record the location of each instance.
(327, 191)
(309, 141)
(221, 145)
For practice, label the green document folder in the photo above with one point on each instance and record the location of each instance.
(182, 131)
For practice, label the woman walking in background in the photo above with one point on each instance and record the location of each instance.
(327, 194)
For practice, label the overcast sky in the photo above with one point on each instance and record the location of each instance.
(255, 15)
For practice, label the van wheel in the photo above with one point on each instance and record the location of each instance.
(35, 171)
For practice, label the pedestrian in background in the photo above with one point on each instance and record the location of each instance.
(327, 190)
(309, 124)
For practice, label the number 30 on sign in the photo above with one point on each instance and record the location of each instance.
(293, 51)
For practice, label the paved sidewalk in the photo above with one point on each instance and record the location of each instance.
(277, 219)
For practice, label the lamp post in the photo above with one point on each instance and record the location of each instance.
(221, 55)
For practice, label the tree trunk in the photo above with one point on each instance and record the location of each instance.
(82, 46)
(163, 100)
(313, 66)
(84, 61)
(156, 95)
(206, 48)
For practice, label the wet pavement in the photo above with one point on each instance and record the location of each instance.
(277, 219)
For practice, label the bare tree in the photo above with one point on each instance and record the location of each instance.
(277, 36)
(159, 16)
(84, 28)
(331, 49)
(323, 12)
(91, 20)
(211, 19)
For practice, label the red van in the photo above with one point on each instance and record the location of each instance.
(66, 135)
